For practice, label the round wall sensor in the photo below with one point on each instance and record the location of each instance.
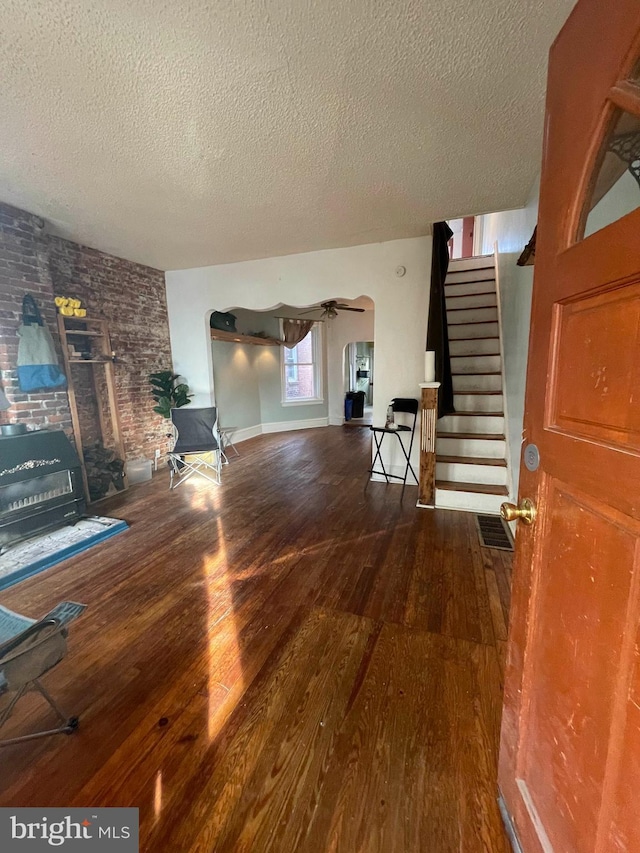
(400, 271)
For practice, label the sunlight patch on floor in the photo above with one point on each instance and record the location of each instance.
(225, 659)
(157, 795)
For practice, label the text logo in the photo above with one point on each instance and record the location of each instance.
(33, 829)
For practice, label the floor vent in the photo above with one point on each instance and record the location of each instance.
(494, 533)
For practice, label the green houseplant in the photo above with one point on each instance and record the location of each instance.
(168, 392)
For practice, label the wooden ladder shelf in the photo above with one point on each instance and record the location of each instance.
(102, 357)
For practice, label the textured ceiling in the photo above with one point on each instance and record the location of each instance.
(180, 134)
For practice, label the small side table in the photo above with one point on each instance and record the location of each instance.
(428, 419)
(225, 439)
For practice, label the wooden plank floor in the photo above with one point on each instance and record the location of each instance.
(285, 663)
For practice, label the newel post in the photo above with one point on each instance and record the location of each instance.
(428, 418)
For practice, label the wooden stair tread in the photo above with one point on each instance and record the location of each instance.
(470, 373)
(469, 295)
(478, 488)
(480, 338)
(462, 393)
(472, 460)
(448, 283)
(471, 308)
(482, 436)
(474, 322)
(451, 269)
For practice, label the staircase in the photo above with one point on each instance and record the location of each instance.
(471, 466)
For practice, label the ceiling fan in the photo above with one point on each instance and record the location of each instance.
(330, 309)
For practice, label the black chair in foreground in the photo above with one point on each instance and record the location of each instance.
(29, 649)
(408, 406)
(196, 440)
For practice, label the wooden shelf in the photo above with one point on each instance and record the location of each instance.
(236, 338)
(90, 361)
(84, 332)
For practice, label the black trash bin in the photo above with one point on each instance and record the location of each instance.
(358, 403)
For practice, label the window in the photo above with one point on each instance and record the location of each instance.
(302, 370)
(616, 190)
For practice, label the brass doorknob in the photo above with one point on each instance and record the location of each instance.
(525, 512)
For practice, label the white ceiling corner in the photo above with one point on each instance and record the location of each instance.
(181, 134)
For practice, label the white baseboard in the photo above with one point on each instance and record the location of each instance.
(286, 426)
(240, 435)
(247, 432)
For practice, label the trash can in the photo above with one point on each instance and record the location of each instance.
(348, 408)
(358, 404)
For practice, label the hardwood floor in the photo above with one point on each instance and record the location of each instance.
(285, 663)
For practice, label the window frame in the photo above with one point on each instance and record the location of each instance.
(318, 379)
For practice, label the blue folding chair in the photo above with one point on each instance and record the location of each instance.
(29, 649)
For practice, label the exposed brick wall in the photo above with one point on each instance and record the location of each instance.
(24, 269)
(130, 296)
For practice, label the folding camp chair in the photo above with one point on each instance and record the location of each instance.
(29, 649)
(408, 406)
(197, 445)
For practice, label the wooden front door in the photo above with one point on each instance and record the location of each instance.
(570, 750)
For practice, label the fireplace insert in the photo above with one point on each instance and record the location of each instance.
(40, 484)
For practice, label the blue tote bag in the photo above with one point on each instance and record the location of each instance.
(38, 368)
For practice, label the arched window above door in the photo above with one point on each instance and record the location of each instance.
(616, 189)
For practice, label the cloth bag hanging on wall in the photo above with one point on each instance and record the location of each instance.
(38, 368)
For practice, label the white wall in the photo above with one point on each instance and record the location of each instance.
(247, 379)
(512, 230)
(268, 364)
(401, 307)
(236, 379)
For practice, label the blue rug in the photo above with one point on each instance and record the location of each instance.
(28, 558)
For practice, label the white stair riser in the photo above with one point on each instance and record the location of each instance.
(491, 346)
(469, 501)
(457, 276)
(469, 288)
(479, 300)
(473, 330)
(475, 364)
(483, 448)
(477, 402)
(493, 424)
(481, 382)
(456, 264)
(463, 472)
(473, 315)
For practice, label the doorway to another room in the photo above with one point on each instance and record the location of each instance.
(358, 383)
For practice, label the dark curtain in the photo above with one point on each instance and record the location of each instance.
(437, 332)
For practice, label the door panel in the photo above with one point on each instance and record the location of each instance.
(570, 747)
(574, 673)
(593, 391)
